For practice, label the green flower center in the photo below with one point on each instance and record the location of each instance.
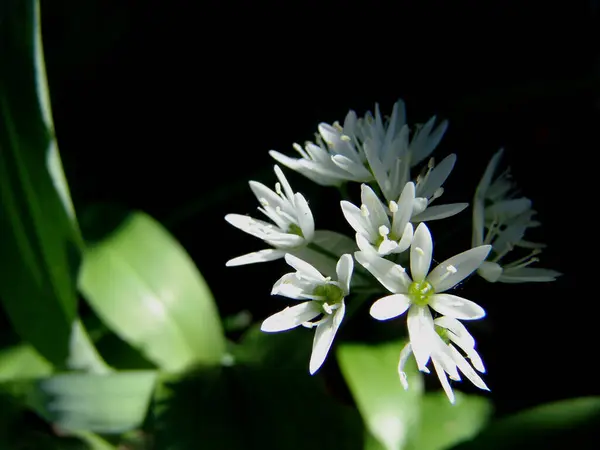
(420, 291)
(295, 229)
(331, 295)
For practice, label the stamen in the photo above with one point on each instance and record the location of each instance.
(364, 210)
(420, 251)
(327, 308)
(345, 138)
(278, 188)
(393, 207)
(431, 163)
(263, 201)
(384, 231)
(337, 126)
(437, 194)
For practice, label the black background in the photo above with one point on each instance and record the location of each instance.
(171, 107)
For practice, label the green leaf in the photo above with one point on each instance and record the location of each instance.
(110, 403)
(371, 371)
(22, 361)
(40, 241)
(145, 287)
(444, 424)
(565, 424)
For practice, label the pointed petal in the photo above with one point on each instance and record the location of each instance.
(486, 179)
(305, 217)
(444, 381)
(437, 212)
(291, 317)
(377, 214)
(324, 335)
(406, 240)
(287, 189)
(466, 368)
(421, 332)
(452, 271)
(291, 286)
(389, 307)
(528, 274)
(438, 176)
(356, 171)
(305, 269)
(404, 355)
(261, 191)
(354, 216)
(456, 307)
(405, 209)
(392, 276)
(343, 270)
(490, 271)
(456, 328)
(256, 257)
(421, 251)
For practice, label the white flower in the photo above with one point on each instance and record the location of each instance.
(445, 356)
(293, 224)
(357, 150)
(371, 220)
(501, 219)
(423, 291)
(325, 298)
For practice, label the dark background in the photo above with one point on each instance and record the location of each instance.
(171, 107)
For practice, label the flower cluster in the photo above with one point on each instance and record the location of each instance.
(391, 236)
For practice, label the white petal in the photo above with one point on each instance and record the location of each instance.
(455, 269)
(324, 336)
(256, 257)
(263, 192)
(529, 274)
(490, 271)
(421, 332)
(456, 328)
(444, 380)
(343, 270)
(486, 179)
(466, 368)
(250, 225)
(437, 212)
(406, 240)
(354, 216)
(404, 354)
(287, 189)
(357, 171)
(390, 275)
(456, 307)
(438, 176)
(305, 217)
(508, 208)
(426, 141)
(291, 286)
(291, 317)
(377, 214)
(310, 171)
(305, 269)
(389, 307)
(421, 250)
(405, 209)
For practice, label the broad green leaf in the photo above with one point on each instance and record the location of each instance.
(21, 362)
(40, 250)
(145, 287)
(444, 424)
(371, 371)
(110, 403)
(565, 424)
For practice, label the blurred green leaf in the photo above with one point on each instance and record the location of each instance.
(444, 424)
(22, 361)
(109, 403)
(144, 286)
(371, 372)
(570, 423)
(40, 241)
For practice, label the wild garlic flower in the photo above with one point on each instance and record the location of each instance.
(500, 218)
(293, 224)
(371, 220)
(325, 298)
(424, 290)
(446, 358)
(344, 153)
